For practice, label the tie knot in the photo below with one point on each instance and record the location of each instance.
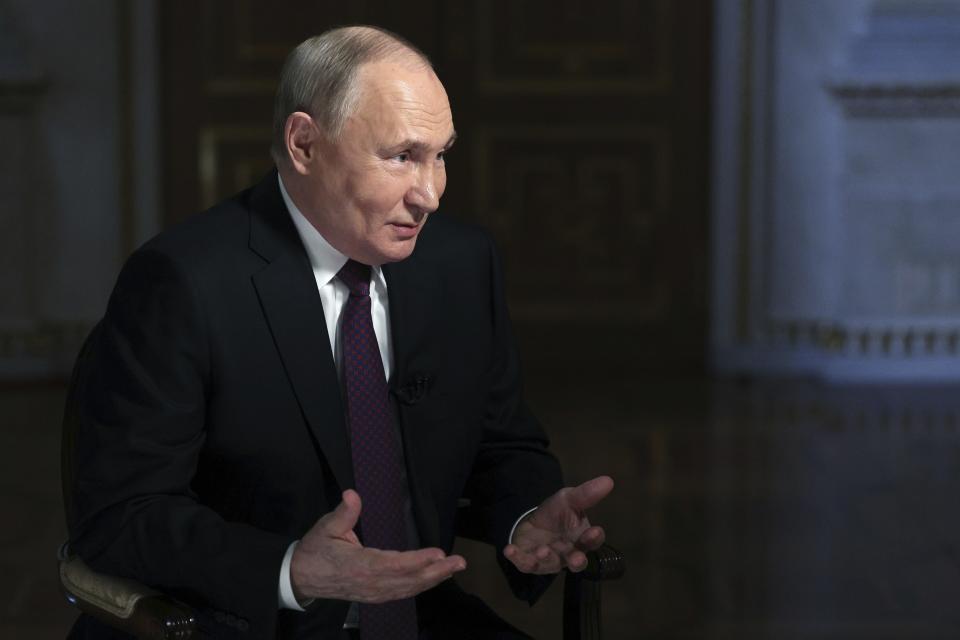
(357, 277)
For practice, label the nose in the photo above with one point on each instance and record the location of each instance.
(424, 194)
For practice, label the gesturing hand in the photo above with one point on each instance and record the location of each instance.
(330, 562)
(558, 532)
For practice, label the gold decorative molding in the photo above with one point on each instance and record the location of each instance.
(240, 62)
(858, 339)
(209, 162)
(245, 45)
(539, 137)
(47, 340)
(252, 65)
(594, 211)
(568, 66)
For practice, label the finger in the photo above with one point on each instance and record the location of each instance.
(394, 587)
(407, 583)
(403, 563)
(591, 539)
(522, 560)
(341, 522)
(576, 561)
(590, 492)
(439, 571)
(525, 563)
(548, 560)
(540, 561)
(562, 547)
(533, 535)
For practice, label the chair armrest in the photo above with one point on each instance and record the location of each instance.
(125, 604)
(606, 563)
(581, 593)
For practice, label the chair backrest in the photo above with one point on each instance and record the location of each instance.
(71, 418)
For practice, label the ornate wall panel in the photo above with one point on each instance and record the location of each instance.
(589, 215)
(574, 46)
(41, 323)
(220, 64)
(231, 159)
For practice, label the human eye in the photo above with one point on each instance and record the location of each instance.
(403, 156)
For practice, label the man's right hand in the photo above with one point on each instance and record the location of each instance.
(330, 562)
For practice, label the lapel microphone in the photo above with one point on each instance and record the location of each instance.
(414, 390)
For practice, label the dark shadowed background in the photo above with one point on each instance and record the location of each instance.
(730, 239)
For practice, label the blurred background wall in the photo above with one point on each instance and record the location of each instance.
(835, 194)
(730, 236)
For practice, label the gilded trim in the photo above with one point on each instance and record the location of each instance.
(45, 340)
(658, 82)
(209, 142)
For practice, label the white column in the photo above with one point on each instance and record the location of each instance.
(835, 148)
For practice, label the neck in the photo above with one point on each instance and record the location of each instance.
(294, 185)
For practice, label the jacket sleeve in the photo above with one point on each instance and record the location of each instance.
(514, 469)
(141, 430)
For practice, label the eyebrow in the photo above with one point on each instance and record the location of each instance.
(419, 145)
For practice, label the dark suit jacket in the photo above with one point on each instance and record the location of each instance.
(212, 429)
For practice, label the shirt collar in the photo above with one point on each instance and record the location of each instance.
(324, 258)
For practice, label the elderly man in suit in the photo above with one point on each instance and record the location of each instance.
(299, 397)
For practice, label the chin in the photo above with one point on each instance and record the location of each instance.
(396, 251)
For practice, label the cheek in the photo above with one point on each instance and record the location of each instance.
(440, 180)
(376, 199)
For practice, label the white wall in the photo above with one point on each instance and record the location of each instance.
(74, 224)
(835, 226)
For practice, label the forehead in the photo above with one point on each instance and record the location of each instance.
(402, 100)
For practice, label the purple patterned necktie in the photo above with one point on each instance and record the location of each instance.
(376, 451)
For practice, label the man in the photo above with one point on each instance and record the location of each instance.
(299, 397)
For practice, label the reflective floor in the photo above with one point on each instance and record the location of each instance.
(773, 510)
(767, 510)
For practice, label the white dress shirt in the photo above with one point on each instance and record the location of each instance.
(326, 263)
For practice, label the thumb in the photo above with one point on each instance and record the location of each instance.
(590, 492)
(342, 520)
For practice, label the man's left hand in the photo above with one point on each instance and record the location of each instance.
(558, 534)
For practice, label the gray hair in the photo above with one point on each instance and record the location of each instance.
(319, 77)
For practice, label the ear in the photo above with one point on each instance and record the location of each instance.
(301, 135)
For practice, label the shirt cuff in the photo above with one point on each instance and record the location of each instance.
(514, 528)
(285, 597)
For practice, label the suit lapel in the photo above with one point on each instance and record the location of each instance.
(288, 294)
(415, 295)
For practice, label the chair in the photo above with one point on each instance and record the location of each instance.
(122, 604)
(145, 613)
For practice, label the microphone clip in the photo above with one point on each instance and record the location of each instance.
(414, 390)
